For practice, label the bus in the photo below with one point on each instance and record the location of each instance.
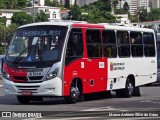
(72, 59)
(158, 57)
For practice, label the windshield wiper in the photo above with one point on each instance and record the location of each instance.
(18, 58)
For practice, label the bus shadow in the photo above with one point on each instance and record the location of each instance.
(12, 100)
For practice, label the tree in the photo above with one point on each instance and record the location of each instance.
(2, 30)
(10, 30)
(21, 4)
(75, 13)
(143, 15)
(3, 20)
(2, 4)
(126, 7)
(41, 17)
(114, 4)
(21, 18)
(67, 4)
(11, 4)
(52, 3)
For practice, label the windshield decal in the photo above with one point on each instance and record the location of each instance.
(42, 33)
(35, 39)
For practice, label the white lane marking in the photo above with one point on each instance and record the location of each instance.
(108, 108)
(149, 101)
(73, 118)
(1, 85)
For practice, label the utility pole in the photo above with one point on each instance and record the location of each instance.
(33, 12)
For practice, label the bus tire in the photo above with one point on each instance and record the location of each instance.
(127, 91)
(74, 93)
(23, 99)
(136, 92)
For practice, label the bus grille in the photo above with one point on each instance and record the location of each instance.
(20, 78)
(27, 88)
(36, 78)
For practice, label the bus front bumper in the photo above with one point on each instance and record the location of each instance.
(51, 87)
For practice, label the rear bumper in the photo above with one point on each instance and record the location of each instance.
(51, 87)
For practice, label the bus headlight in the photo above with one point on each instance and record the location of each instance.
(6, 75)
(52, 75)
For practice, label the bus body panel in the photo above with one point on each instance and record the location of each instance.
(92, 72)
(143, 70)
(51, 87)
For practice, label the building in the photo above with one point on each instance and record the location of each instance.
(53, 13)
(144, 4)
(85, 2)
(155, 3)
(133, 5)
(8, 13)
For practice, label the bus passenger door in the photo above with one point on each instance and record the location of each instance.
(95, 65)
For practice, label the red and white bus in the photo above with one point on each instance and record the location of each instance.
(71, 59)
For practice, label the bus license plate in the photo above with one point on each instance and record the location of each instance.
(32, 74)
(26, 93)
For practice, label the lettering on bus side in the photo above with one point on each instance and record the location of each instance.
(117, 66)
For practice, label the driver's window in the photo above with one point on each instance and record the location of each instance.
(75, 46)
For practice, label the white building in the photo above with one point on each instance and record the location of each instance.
(144, 4)
(8, 13)
(53, 13)
(133, 5)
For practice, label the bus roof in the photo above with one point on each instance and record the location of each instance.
(88, 25)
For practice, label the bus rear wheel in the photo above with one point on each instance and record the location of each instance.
(74, 94)
(23, 99)
(127, 91)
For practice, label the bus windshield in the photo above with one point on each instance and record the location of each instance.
(37, 43)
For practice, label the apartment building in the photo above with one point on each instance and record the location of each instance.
(133, 5)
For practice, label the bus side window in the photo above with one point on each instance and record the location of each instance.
(94, 46)
(109, 42)
(75, 46)
(123, 44)
(136, 44)
(149, 46)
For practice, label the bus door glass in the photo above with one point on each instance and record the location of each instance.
(96, 66)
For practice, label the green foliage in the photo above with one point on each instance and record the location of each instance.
(120, 11)
(2, 4)
(2, 50)
(52, 3)
(41, 17)
(11, 4)
(21, 4)
(3, 20)
(75, 13)
(143, 15)
(67, 4)
(21, 18)
(10, 30)
(126, 7)
(2, 33)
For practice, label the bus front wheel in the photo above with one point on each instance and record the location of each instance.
(74, 94)
(23, 99)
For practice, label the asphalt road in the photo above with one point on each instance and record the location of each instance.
(145, 107)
